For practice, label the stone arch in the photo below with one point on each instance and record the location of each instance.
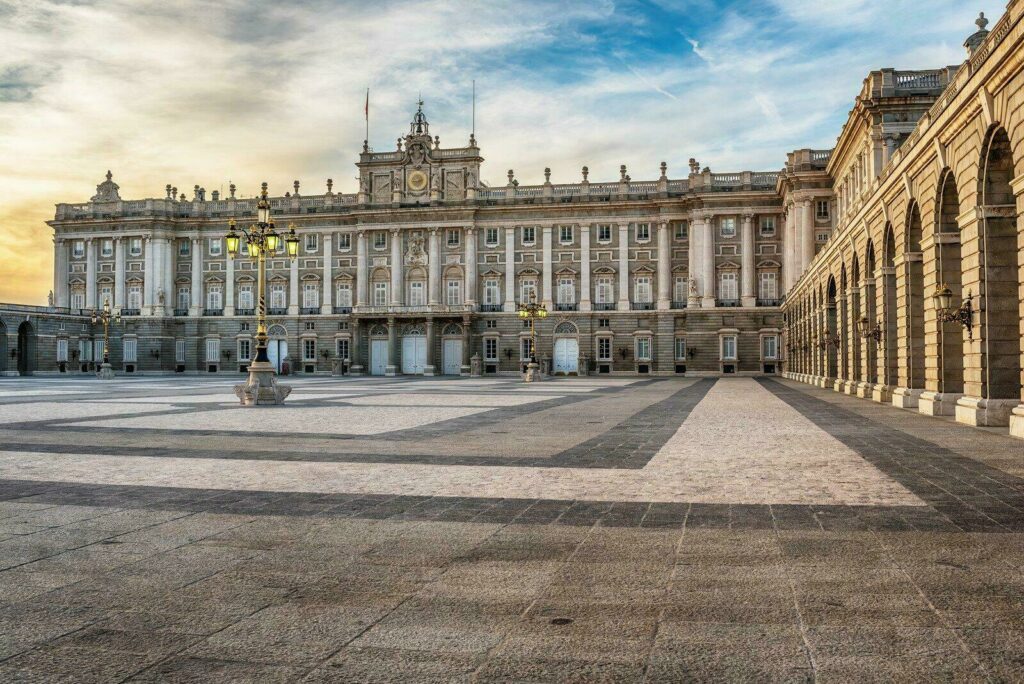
(829, 330)
(889, 362)
(566, 329)
(26, 348)
(277, 330)
(379, 330)
(3, 346)
(949, 337)
(854, 341)
(870, 315)
(913, 294)
(841, 331)
(452, 330)
(999, 339)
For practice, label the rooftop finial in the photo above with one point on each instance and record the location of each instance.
(981, 22)
(109, 175)
(975, 40)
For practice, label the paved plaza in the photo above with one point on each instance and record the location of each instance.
(466, 529)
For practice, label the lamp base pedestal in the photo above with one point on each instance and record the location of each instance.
(106, 372)
(532, 373)
(262, 387)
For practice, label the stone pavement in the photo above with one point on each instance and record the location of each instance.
(484, 530)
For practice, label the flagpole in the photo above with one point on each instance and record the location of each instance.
(367, 115)
(474, 108)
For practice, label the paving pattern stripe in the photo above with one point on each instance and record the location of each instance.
(974, 496)
(637, 439)
(573, 513)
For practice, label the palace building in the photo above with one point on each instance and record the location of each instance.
(824, 270)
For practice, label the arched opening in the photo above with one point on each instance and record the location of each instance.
(913, 265)
(854, 338)
(841, 331)
(870, 315)
(3, 347)
(26, 348)
(890, 368)
(831, 349)
(999, 284)
(950, 336)
(277, 348)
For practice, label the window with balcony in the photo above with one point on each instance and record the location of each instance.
(312, 242)
(134, 300)
(214, 246)
(453, 237)
(380, 294)
(565, 235)
(214, 297)
(135, 247)
(527, 289)
(768, 286)
(380, 239)
(78, 249)
(107, 249)
(310, 295)
(529, 235)
(344, 295)
(245, 297)
(566, 291)
(727, 225)
(492, 292)
(643, 232)
(453, 292)
(184, 247)
(767, 226)
(822, 210)
(681, 230)
(344, 241)
(184, 298)
(278, 296)
(604, 292)
(642, 290)
(604, 232)
(680, 289)
(417, 293)
(727, 286)
(491, 236)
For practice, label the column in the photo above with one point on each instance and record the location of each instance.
(196, 288)
(466, 346)
(293, 287)
(361, 271)
(118, 274)
(429, 368)
(664, 268)
(545, 277)
(510, 269)
(61, 293)
(90, 275)
(471, 279)
(327, 301)
(147, 284)
(229, 285)
(788, 245)
(168, 275)
(585, 267)
(356, 367)
(695, 271)
(708, 245)
(434, 270)
(623, 267)
(747, 293)
(58, 246)
(392, 366)
(807, 233)
(397, 281)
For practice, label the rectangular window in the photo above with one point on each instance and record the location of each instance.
(680, 348)
(604, 293)
(682, 230)
(184, 298)
(727, 286)
(106, 296)
(417, 294)
(491, 323)
(453, 292)
(566, 291)
(62, 350)
(768, 287)
(184, 247)
(309, 325)
(312, 242)
(134, 297)
(215, 246)
(214, 297)
(135, 246)
(179, 351)
(529, 235)
(380, 294)
(728, 227)
(643, 349)
(130, 350)
(342, 348)
(527, 289)
(309, 350)
(821, 210)
(345, 241)
(380, 239)
(452, 237)
(565, 235)
(107, 249)
(243, 326)
(642, 290)
(492, 294)
(604, 349)
(244, 350)
(213, 351)
(245, 297)
(769, 347)
(84, 350)
(491, 237)
(767, 226)
(278, 296)
(525, 349)
(728, 347)
(311, 295)
(604, 233)
(643, 232)
(680, 289)
(344, 295)
(490, 349)
(78, 249)
(604, 322)
(77, 300)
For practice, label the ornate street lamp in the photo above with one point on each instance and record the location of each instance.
(964, 314)
(262, 239)
(531, 311)
(869, 333)
(105, 317)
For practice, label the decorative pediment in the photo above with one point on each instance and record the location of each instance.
(106, 191)
(214, 279)
(310, 276)
(604, 270)
(529, 272)
(768, 263)
(453, 271)
(278, 278)
(566, 271)
(246, 279)
(452, 330)
(643, 270)
(343, 276)
(492, 272)
(680, 268)
(729, 266)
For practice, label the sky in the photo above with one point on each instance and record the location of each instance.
(245, 91)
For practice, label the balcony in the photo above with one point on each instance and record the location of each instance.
(245, 312)
(213, 312)
(641, 306)
(679, 304)
(566, 307)
(309, 310)
(490, 308)
(181, 312)
(769, 302)
(131, 312)
(277, 312)
(342, 309)
(604, 306)
(726, 303)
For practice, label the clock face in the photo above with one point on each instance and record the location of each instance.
(416, 180)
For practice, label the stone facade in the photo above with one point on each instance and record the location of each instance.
(929, 178)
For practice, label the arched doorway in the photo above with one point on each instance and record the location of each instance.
(566, 349)
(889, 362)
(414, 350)
(277, 347)
(913, 265)
(829, 337)
(378, 349)
(451, 349)
(26, 348)
(950, 346)
(870, 307)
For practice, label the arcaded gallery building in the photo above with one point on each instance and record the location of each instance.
(829, 270)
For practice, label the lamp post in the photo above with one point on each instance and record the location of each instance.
(104, 316)
(869, 333)
(531, 311)
(262, 238)
(964, 314)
